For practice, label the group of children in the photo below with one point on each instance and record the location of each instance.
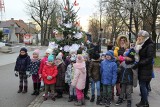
(102, 71)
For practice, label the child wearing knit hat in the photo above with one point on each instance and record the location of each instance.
(49, 75)
(33, 68)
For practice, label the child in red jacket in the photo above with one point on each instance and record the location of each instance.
(49, 74)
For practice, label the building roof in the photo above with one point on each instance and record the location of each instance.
(22, 26)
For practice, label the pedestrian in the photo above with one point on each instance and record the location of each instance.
(126, 77)
(110, 46)
(108, 77)
(49, 74)
(33, 68)
(69, 75)
(145, 54)
(122, 43)
(60, 84)
(94, 75)
(79, 79)
(21, 68)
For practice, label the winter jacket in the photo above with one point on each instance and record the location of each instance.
(49, 70)
(108, 72)
(69, 75)
(34, 66)
(94, 70)
(61, 76)
(79, 76)
(22, 63)
(43, 62)
(145, 64)
(126, 72)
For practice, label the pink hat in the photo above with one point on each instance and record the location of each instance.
(80, 58)
(36, 52)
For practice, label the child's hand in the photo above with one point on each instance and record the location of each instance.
(16, 73)
(49, 77)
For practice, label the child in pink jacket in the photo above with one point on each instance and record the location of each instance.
(79, 79)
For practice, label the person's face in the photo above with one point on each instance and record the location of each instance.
(108, 57)
(22, 52)
(50, 62)
(122, 41)
(35, 56)
(47, 54)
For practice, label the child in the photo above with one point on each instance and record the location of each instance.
(33, 68)
(21, 68)
(60, 84)
(69, 75)
(49, 74)
(79, 79)
(94, 74)
(127, 77)
(108, 77)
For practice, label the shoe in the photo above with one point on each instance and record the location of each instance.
(129, 103)
(53, 98)
(103, 102)
(98, 100)
(70, 99)
(142, 104)
(79, 103)
(25, 89)
(108, 103)
(119, 102)
(87, 97)
(20, 89)
(92, 98)
(34, 92)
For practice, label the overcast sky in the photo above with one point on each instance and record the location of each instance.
(16, 9)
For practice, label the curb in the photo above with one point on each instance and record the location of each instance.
(37, 101)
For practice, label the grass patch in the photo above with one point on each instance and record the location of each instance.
(157, 61)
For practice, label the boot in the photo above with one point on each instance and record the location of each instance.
(71, 98)
(86, 97)
(119, 102)
(108, 103)
(129, 103)
(35, 88)
(25, 89)
(20, 89)
(83, 101)
(79, 103)
(103, 102)
(142, 104)
(38, 88)
(92, 98)
(98, 100)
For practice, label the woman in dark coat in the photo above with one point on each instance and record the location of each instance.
(60, 83)
(144, 58)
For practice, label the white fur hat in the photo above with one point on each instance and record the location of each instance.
(143, 33)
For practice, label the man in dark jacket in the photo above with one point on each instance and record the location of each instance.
(145, 54)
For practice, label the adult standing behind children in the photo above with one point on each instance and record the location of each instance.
(145, 55)
(21, 68)
(108, 77)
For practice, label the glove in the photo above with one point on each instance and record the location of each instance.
(16, 73)
(49, 77)
(135, 66)
(28, 74)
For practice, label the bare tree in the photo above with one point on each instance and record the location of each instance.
(41, 12)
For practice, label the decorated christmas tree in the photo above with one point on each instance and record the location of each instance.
(68, 35)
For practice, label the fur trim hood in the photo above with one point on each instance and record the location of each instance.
(118, 41)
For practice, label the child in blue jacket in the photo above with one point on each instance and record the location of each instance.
(108, 76)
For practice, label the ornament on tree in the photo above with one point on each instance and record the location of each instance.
(78, 35)
(52, 45)
(66, 48)
(75, 3)
(68, 25)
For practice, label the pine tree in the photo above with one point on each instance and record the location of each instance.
(68, 34)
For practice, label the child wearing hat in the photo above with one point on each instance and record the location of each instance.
(49, 74)
(60, 84)
(126, 78)
(94, 75)
(79, 79)
(108, 77)
(69, 75)
(33, 68)
(21, 68)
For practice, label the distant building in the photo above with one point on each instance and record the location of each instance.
(18, 31)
